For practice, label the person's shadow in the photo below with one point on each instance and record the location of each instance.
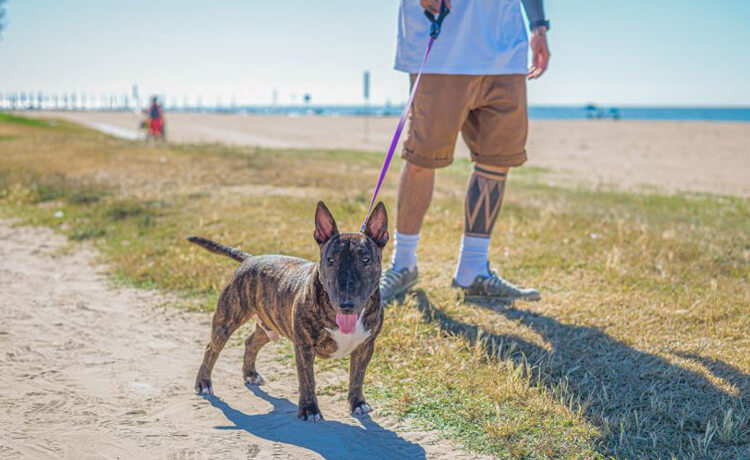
(328, 438)
(643, 404)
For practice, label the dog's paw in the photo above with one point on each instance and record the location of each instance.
(361, 408)
(314, 417)
(203, 387)
(309, 413)
(254, 379)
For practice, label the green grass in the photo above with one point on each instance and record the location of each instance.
(638, 348)
(10, 118)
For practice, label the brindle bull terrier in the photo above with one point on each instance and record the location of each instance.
(328, 309)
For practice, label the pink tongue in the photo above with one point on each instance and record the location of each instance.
(346, 323)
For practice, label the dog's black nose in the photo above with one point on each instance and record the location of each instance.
(347, 305)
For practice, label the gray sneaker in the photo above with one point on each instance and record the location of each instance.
(495, 288)
(394, 283)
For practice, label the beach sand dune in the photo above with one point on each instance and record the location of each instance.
(671, 156)
(89, 370)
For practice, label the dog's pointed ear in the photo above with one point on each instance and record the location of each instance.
(377, 225)
(325, 225)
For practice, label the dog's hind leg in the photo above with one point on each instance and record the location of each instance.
(227, 318)
(253, 344)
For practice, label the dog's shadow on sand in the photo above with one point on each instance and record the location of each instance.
(329, 438)
(618, 385)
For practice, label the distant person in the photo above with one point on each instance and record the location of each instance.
(155, 119)
(475, 83)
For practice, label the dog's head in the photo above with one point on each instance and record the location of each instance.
(350, 263)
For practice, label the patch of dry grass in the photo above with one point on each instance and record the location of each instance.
(639, 347)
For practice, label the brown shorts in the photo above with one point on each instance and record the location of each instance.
(489, 110)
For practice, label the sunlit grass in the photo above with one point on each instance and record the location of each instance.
(639, 347)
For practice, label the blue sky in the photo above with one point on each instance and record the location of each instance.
(634, 52)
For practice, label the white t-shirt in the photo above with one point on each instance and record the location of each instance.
(478, 37)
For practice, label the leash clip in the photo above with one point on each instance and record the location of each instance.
(437, 22)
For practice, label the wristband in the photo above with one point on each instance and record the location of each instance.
(539, 23)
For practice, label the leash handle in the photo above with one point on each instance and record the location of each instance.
(437, 22)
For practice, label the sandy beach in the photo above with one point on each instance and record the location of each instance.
(671, 156)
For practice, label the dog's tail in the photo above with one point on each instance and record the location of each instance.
(218, 248)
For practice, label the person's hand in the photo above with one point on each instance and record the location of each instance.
(540, 52)
(433, 6)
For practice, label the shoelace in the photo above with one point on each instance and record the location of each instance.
(495, 280)
(392, 277)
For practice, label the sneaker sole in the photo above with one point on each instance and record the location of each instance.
(502, 299)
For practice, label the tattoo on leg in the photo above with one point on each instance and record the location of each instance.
(483, 199)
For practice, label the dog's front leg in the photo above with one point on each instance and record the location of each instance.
(359, 360)
(308, 403)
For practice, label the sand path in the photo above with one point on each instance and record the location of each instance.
(89, 370)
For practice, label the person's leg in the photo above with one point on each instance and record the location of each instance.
(495, 133)
(414, 196)
(484, 197)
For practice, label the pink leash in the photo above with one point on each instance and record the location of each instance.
(396, 136)
(437, 22)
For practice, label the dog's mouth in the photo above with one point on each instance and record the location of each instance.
(347, 322)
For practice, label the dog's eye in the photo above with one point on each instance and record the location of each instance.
(330, 260)
(365, 259)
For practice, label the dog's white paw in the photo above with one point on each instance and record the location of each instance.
(204, 388)
(310, 414)
(362, 409)
(256, 379)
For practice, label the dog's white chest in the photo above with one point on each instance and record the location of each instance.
(347, 343)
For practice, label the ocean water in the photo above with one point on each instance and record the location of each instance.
(641, 113)
(535, 112)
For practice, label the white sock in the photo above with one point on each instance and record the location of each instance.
(405, 251)
(472, 260)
